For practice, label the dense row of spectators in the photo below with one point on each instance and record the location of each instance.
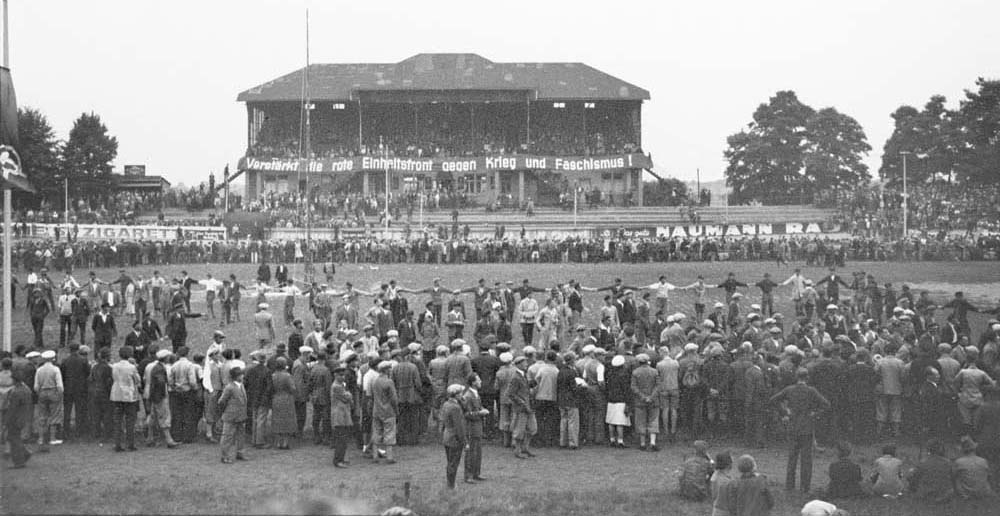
(940, 207)
(427, 247)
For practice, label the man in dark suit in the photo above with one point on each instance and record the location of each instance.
(407, 329)
(103, 327)
(264, 273)
(486, 365)
(233, 404)
(406, 376)
(281, 274)
(137, 341)
(833, 283)
(75, 371)
(187, 282)
(454, 435)
(523, 423)
(80, 316)
(933, 401)
(341, 409)
(804, 403)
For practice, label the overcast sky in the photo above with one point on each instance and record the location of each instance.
(164, 75)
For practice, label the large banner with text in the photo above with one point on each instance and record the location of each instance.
(120, 232)
(723, 230)
(450, 165)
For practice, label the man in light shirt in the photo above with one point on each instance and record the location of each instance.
(798, 283)
(184, 393)
(49, 389)
(65, 307)
(528, 312)
(662, 289)
(212, 287)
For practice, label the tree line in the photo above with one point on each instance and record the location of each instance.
(84, 159)
(791, 153)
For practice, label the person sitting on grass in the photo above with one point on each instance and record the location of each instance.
(845, 475)
(695, 474)
(931, 479)
(971, 473)
(720, 478)
(887, 477)
(748, 495)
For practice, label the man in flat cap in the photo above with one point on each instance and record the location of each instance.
(385, 407)
(48, 387)
(156, 381)
(233, 404)
(523, 423)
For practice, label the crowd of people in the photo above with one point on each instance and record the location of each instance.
(932, 209)
(853, 361)
(456, 246)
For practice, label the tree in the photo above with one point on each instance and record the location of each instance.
(39, 151)
(664, 192)
(933, 139)
(833, 158)
(979, 119)
(766, 161)
(88, 154)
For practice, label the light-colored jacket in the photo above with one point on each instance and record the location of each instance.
(125, 382)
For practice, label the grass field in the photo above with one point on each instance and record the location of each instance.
(82, 477)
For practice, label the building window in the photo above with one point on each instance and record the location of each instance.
(589, 105)
(559, 105)
(411, 184)
(338, 106)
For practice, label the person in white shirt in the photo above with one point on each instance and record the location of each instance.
(662, 289)
(701, 292)
(212, 287)
(29, 285)
(65, 307)
(528, 312)
(798, 283)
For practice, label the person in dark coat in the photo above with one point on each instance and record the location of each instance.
(18, 417)
(75, 371)
(826, 377)
(233, 404)
(859, 393)
(569, 408)
(845, 475)
(931, 480)
(320, 379)
(264, 273)
(283, 414)
(259, 390)
(932, 401)
(474, 414)
(103, 326)
(486, 364)
(341, 416)
(99, 383)
(804, 403)
(406, 376)
(986, 427)
(454, 433)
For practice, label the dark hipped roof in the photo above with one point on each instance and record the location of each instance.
(336, 82)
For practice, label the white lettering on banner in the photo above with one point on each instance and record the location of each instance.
(714, 230)
(343, 165)
(588, 164)
(501, 162)
(535, 163)
(402, 165)
(458, 166)
(121, 232)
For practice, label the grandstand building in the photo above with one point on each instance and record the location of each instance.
(499, 133)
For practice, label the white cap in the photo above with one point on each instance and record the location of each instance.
(392, 333)
(691, 346)
(719, 304)
(263, 306)
(48, 354)
(163, 353)
(708, 323)
(506, 357)
(413, 347)
(832, 306)
(618, 361)
(769, 320)
(588, 349)
(897, 310)
(755, 307)
(670, 318)
(305, 349)
(679, 316)
(455, 388)
(32, 354)
(529, 350)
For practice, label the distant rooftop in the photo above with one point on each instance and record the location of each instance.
(442, 72)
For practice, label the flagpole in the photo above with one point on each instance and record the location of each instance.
(7, 200)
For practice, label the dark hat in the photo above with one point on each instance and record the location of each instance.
(339, 369)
